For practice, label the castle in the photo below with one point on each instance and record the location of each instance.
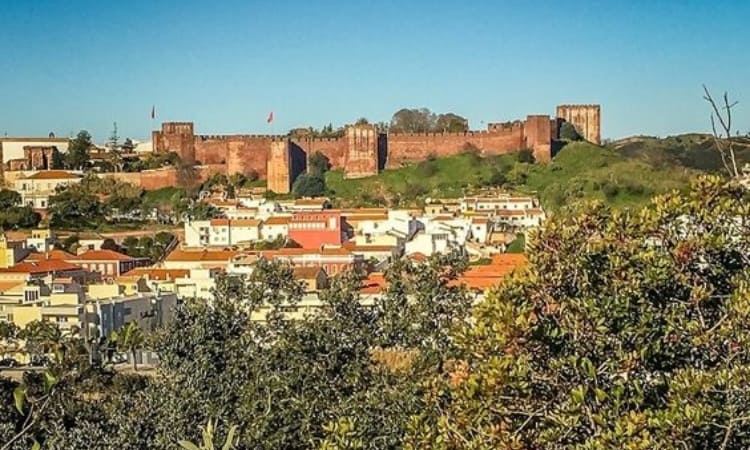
(363, 150)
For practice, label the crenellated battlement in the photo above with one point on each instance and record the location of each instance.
(363, 150)
(236, 137)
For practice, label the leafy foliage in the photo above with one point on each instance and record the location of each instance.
(309, 185)
(77, 157)
(628, 331)
(568, 132)
(422, 120)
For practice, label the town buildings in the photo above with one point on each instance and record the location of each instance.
(38, 187)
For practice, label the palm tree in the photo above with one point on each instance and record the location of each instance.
(130, 339)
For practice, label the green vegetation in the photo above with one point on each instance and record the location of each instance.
(518, 245)
(12, 215)
(422, 120)
(580, 171)
(625, 331)
(77, 156)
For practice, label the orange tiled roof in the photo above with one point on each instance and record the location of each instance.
(44, 266)
(202, 255)
(363, 217)
(504, 212)
(479, 220)
(420, 257)
(245, 222)
(158, 274)
(53, 175)
(355, 211)
(6, 286)
(219, 222)
(103, 255)
(375, 283)
(367, 248)
(56, 254)
(277, 220)
(305, 251)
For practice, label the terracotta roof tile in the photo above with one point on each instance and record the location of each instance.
(52, 254)
(53, 175)
(44, 266)
(277, 220)
(158, 274)
(103, 255)
(202, 255)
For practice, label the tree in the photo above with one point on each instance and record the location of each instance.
(452, 123)
(19, 217)
(130, 339)
(110, 244)
(413, 121)
(9, 333)
(362, 121)
(318, 164)
(58, 160)
(568, 132)
(128, 146)
(9, 199)
(628, 330)
(42, 338)
(74, 207)
(78, 157)
(526, 156)
(723, 138)
(309, 185)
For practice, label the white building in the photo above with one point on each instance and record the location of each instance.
(221, 232)
(498, 202)
(37, 188)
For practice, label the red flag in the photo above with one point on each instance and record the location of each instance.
(270, 117)
(153, 112)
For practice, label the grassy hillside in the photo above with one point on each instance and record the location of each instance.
(579, 171)
(696, 151)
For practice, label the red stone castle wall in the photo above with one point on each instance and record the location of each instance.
(362, 153)
(413, 147)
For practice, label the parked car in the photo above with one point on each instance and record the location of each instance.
(8, 362)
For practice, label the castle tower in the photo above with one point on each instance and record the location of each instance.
(361, 157)
(585, 118)
(279, 168)
(538, 134)
(176, 137)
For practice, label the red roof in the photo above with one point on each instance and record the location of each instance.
(103, 255)
(159, 274)
(375, 283)
(60, 255)
(44, 266)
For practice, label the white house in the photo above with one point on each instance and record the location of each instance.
(275, 227)
(37, 188)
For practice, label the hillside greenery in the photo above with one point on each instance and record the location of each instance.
(622, 176)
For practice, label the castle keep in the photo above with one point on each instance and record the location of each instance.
(363, 150)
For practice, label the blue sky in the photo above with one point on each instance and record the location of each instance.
(67, 65)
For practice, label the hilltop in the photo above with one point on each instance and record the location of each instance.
(624, 173)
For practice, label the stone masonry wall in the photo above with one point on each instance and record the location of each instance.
(586, 119)
(413, 147)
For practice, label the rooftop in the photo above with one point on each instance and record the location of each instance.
(103, 255)
(53, 175)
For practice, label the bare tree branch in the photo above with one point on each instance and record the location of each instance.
(723, 138)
